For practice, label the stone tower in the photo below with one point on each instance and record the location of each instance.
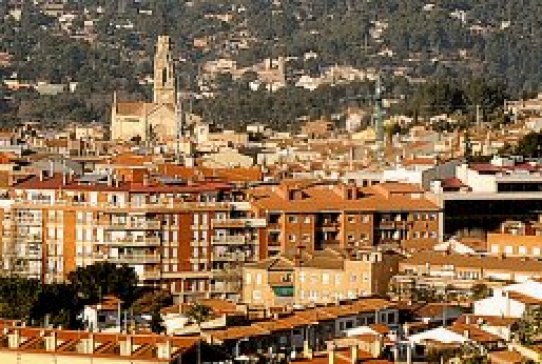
(164, 73)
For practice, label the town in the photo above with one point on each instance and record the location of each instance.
(261, 212)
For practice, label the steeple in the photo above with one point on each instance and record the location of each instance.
(164, 73)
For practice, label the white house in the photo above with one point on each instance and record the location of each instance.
(511, 301)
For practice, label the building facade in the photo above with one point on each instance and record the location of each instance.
(321, 277)
(316, 215)
(187, 238)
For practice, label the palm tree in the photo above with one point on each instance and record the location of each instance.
(199, 313)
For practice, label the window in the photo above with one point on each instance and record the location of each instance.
(522, 250)
(325, 278)
(351, 219)
(258, 278)
(302, 277)
(291, 237)
(536, 251)
(256, 295)
(495, 249)
(508, 250)
(337, 279)
(365, 219)
(350, 237)
(196, 219)
(306, 238)
(248, 278)
(292, 219)
(204, 219)
(307, 219)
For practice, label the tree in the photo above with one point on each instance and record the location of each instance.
(530, 145)
(199, 313)
(480, 291)
(93, 282)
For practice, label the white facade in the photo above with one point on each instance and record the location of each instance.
(503, 306)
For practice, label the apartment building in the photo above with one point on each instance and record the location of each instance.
(186, 237)
(445, 272)
(315, 215)
(319, 277)
(516, 239)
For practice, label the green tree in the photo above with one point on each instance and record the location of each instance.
(95, 281)
(199, 313)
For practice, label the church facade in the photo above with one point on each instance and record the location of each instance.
(150, 120)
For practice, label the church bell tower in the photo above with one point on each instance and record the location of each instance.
(164, 73)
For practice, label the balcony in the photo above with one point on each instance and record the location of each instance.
(132, 225)
(129, 258)
(392, 225)
(229, 240)
(150, 275)
(239, 223)
(133, 241)
(29, 222)
(329, 225)
(227, 257)
(33, 255)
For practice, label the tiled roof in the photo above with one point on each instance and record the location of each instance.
(488, 320)
(511, 264)
(475, 333)
(505, 357)
(323, 198)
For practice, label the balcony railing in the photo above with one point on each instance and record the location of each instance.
(132, 241)
(239, 223)
(229, 240)
(132, 225)
(129, 258)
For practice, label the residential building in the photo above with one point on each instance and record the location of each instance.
(443, 272)
(186, 237)
(319, 277)
(516, 238)
(515, 300)
(316, 215)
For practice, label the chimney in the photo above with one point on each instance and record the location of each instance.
(50, 342)
(354, 353)
(14, 339)
(332, 354)
(307, 350)
(126, 346)
(163, 350)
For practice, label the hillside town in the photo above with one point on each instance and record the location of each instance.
(173, 228)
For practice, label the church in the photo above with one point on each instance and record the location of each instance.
(150, 120)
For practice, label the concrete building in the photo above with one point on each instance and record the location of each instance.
(316, 215)
(321, 277)
(187, 238)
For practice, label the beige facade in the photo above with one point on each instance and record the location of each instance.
(322, 277)
(150, 120)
